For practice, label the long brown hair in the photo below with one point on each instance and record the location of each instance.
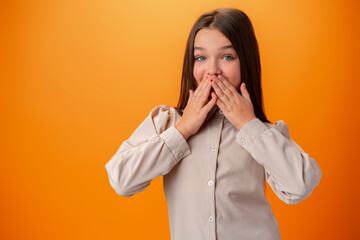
(236, 26)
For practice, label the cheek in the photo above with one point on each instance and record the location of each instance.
(234, 75)
(198, 73)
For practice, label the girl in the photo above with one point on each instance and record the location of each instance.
(217, 148)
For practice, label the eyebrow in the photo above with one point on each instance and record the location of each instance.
(222, 48)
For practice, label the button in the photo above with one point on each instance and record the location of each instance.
(181, 154)
(213, 148)
(220, 111)
(242, 141)
(210, 183)
(211, 219)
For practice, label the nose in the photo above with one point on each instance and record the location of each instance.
(213, 68)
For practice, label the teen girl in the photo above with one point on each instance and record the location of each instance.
(217, 148)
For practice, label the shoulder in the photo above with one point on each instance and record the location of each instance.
(157, 121)
(279, 125)
(163, 117)
(164, 111)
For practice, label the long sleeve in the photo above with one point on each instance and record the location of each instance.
(289, 171)
(152, 150)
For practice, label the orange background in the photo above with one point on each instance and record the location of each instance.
(77, 78)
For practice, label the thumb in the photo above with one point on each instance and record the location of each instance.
(244, 92)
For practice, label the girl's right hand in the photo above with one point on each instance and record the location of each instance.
(196, 109)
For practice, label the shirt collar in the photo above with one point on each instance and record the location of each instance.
(214, 109)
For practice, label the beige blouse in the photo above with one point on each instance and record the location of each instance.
(214, 181)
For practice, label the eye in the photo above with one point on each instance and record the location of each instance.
(200, 58)
(228, 57)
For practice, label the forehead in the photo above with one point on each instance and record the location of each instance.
(210, 37)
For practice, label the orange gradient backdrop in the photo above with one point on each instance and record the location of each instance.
(78, 77)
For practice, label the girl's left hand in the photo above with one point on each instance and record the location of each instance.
(238, 109)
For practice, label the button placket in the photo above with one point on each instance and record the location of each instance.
(211, 165)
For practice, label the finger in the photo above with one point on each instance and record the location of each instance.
(224, 88)
(211, 103)
(205, 91)
(228, 85)
(199, 87)
(219, 92)
(221, 104)
(245, 92)
(191, 95)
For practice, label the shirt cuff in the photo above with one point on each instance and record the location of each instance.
(248, 134)
(176, 143)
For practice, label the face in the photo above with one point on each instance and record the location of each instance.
(215, 55)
